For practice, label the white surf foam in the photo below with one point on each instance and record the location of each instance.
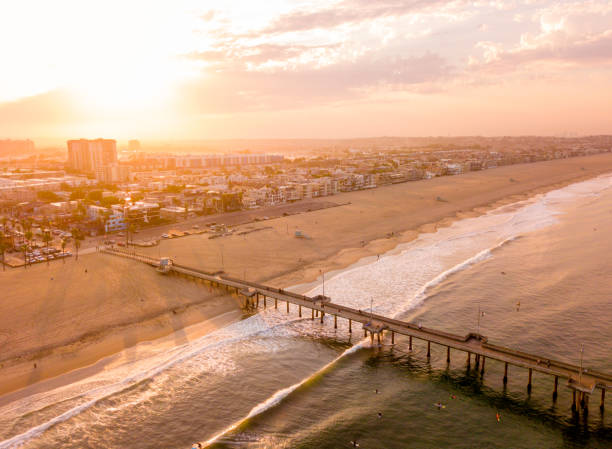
(280, 395)
(419, 266)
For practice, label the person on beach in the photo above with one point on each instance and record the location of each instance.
(498, 417)
(379, 415)
(354, 443)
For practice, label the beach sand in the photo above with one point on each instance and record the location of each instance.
(59, 318)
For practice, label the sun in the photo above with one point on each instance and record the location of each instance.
(132, 88)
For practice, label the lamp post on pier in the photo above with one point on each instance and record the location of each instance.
(323, 274)
(581, 356)
(480, 314)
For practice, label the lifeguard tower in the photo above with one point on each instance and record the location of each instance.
(165, 265)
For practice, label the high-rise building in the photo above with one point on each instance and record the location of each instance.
(90, 155)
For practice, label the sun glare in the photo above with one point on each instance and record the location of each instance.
(134, 88)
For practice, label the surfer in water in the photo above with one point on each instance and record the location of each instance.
(354, 443)
(379, 415)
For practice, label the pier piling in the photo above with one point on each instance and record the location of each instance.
(335, 321)
(582, 387)
(529, 381)
(350, 326)
(410, 343)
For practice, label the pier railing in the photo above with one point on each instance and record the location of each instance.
(582, 381)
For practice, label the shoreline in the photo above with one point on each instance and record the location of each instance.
(350, 257)
(79, 357)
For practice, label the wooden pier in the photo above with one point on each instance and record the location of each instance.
(583, 384)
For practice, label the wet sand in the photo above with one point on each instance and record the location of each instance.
(58, 318)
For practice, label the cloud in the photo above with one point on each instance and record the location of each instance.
(570, 34)
(347, 11)
(556, 48)
(56, 106)
(236, 55)
(232, 91)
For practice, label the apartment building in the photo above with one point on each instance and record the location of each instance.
(90, 155)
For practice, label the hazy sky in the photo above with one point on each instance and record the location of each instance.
(193, 69)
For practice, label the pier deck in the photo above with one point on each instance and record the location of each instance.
(471, 343)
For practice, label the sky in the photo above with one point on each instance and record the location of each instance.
(194, 69)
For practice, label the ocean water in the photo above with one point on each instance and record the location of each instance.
(540, 269)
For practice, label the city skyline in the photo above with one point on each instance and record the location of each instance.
(305, 69)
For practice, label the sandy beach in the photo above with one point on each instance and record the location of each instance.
(57, 318)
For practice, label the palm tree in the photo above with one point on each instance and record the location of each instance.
(6, 222)
(5, 225)
(24, 248)
(46, 238)
(131, 231)
(27, 244)
(77, 235)
(105, 217)
(3, 247)
(63, 252)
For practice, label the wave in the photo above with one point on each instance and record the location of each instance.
(144, 376)
(421, 294)
(278, 397)
(249, 328)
